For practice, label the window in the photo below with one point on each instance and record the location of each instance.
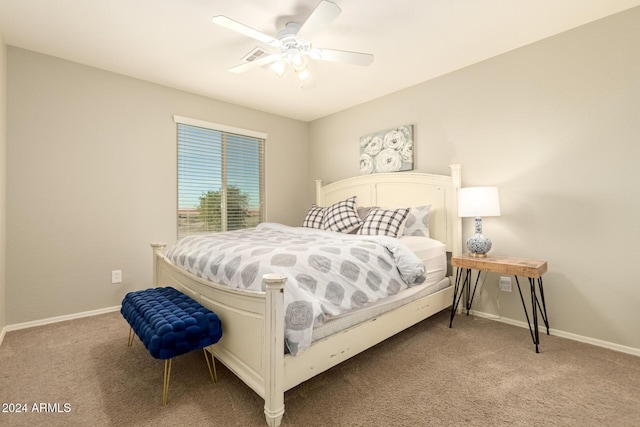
(220, 177)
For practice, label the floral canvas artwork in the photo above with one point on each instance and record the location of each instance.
(387, 151)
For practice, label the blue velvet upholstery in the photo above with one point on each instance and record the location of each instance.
(170, 323)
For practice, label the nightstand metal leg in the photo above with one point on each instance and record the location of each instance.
(543, 309)
(534, 312)
(524, 306)
(465, 288)
(456, 300)
(535, 305)
(473, 294)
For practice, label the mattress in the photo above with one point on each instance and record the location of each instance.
(434, 256)
(432, 253)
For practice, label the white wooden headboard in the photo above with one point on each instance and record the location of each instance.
(406, 189)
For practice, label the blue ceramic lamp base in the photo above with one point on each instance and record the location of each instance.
(478, 245)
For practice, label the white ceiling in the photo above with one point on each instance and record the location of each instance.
(174, 42)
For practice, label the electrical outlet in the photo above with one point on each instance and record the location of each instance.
(116, 276)
(505, 283)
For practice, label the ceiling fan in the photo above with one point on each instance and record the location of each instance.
(293, 45)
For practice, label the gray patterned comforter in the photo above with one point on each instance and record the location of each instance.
(327, 273)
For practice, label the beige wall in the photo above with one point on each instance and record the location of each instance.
(3, 169)
(555, 125)
(91, 179)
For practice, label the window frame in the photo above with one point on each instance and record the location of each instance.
(225, 130)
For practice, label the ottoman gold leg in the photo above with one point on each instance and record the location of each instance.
(212, 373)
(167, 374)
(130, 337)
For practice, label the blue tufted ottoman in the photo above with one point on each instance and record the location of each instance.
(169, 324)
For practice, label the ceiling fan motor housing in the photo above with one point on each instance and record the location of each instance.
(289, 40)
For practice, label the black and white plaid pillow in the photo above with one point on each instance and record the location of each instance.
(384, 222)
(342, 216)
(314, 218)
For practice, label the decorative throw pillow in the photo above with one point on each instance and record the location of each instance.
(314, 218)
(342, 216)
(384, 222)
(417, 223)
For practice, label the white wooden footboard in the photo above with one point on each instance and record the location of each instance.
(252, 343)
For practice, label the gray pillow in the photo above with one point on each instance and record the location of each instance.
(417, 223)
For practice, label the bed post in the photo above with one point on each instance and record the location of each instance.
(456, 181)
(273, 355)
(319, 192)
(157, 249)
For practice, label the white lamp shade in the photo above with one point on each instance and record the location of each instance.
(478, 202)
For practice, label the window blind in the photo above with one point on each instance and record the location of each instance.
(220, 178)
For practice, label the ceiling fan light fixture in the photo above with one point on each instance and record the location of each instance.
(279, 67)
(298, 62)
(303, 74)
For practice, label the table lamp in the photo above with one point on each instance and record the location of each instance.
(478, 202)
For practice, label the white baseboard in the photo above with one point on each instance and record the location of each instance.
(57, 319)
(558, 333)
(542, 329)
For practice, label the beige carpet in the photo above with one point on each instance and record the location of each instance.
(480, 373)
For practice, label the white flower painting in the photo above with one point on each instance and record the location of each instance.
(387, 151)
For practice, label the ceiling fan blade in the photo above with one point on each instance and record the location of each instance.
(243, 29)
(355, 58)
(260, 62)
(320, 18)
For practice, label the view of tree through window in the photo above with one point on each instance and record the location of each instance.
(220, 180)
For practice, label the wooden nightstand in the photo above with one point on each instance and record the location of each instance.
(532, 269)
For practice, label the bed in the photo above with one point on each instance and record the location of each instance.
(253, 345)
